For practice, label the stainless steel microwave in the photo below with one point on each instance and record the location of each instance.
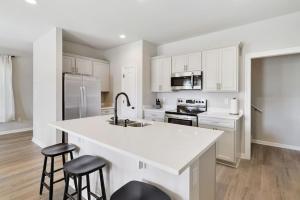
(186, 81)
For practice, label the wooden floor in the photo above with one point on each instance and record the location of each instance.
(272, 173)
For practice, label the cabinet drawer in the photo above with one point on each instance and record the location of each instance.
(227, 123)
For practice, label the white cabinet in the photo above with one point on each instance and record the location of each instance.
(69, 64)
(154, 115)
(220, 68)
(101, 71)
(84, 66)
(228, 148)
(184, 63)
(161, 74)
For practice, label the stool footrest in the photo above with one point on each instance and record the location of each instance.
(94, 195)
(59, 180)
(46, 186)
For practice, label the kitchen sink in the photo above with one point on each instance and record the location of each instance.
(138, 124)
(130, 123)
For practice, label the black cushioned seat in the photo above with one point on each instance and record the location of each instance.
(84, 165)
(136, 190)
(58, 149)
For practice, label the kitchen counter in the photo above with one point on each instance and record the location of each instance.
(179, 159)
(221, 114)
(147, 143)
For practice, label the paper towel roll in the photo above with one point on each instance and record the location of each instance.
(234, 106)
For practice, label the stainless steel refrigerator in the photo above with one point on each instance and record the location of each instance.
(81, 96)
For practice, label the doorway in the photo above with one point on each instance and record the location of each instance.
(249, 59)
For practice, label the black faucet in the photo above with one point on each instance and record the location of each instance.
(116, 106)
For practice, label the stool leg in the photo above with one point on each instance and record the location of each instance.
(88, 187)
(64, 161)
(51, 179)
(75, 180)
(79, 192)
(66, 186)
(43, 175)
(102, 184)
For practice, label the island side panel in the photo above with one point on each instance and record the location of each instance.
(203, 176)
(123, 169)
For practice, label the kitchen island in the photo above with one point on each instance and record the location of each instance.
(178, 159)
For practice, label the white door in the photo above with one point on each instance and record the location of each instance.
(229, 69)
(194, 62)
(91, 96)
(210, 69)
(165, 74)
(68, 64)
(226, 146)
(101, 70)
(129, 86)
(84, 66)
(179, 63)
(155, 75)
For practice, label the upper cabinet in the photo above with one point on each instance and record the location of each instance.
(220, 69)
(69, 64)
(84, 66)
(101, 70)
(184, 63)
(88, 66)
(161, 74)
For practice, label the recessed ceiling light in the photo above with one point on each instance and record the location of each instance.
(32, 2)
(122, 36)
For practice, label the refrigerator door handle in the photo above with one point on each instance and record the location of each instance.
(81, 102)
(84, 101)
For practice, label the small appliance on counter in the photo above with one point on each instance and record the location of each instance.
(157, 104)
(187, 112)
(234, 106)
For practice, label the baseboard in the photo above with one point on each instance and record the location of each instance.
(274, 144)
(38, 142)
(16, 131)
(243, 156)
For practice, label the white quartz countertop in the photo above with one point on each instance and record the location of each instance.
(169, 147)
(221, 114)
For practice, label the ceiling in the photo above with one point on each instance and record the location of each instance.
(98, 23)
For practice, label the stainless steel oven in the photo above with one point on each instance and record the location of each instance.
(186, 112)
(186, 81)
(181, 119)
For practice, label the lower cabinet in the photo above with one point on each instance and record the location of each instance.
(228, 148)
(154, 115)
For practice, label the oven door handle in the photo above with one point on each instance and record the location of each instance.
(181, 117)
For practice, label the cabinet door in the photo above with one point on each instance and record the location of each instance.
(101, 71)
(226, 146)
(229, 69)
(179, 63)
(194, 62)
(68, 64)
(84, 66)
(165, 74)
(210, 70)
(155, 75)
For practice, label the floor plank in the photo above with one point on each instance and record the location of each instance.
(271, 174)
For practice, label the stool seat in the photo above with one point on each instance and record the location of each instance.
(84, 165)
(136, 190)
(58, 149)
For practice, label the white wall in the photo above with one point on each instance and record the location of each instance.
(275, 90)
(122, 56)
(276, 33)
(47, 89)
(23, 87)
(82, 50)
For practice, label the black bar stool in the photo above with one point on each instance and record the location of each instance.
(83, 166)
(136, 190)
(53, 151)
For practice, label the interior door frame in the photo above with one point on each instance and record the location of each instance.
(248, 64)
(136, 87)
